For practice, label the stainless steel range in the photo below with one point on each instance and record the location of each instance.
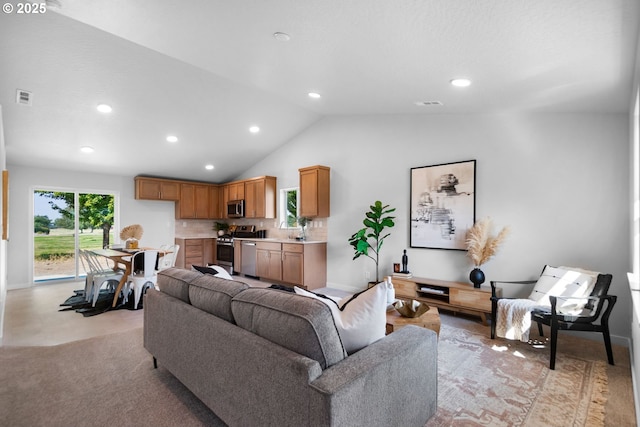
(224, 247)
(224, 252)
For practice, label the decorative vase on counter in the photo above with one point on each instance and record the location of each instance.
(477, 277)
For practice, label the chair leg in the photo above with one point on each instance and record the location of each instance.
(139, 288)
(607, 343)
(540, 331)
(554, 344)
(494, 318)
(493, 328)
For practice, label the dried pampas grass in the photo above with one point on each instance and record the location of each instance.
(133, 231)
(481, 244)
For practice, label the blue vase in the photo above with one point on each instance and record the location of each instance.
(477, 277)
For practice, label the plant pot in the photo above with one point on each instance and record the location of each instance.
(477, 277)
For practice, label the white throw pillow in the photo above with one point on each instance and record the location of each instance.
(361, 320)
(563, 282)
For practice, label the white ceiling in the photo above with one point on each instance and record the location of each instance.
(206, 70)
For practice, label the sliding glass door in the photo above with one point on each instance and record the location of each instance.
(63, 223)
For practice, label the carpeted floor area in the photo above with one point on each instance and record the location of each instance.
(110, 380)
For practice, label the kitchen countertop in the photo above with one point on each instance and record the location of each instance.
(255, 239)
(274, 240)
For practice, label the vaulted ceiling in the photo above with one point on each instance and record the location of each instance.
(207, 70)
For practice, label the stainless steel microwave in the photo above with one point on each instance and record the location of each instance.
(235, 209)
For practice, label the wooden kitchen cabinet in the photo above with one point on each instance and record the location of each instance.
(148, 188)
(230, 191)
(269, 260)
(260, 197)
(215, 211)
(305, 264)
(315, 191)
(236, 190)
(292, 264)
(194, 201)
(195, 251)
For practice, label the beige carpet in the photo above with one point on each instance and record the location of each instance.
(110, 380)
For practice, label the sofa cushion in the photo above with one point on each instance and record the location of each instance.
(175, 282)
(213, 295)
(205, 270)
(302, 325)
(361, 320)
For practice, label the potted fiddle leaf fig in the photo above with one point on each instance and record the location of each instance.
(368, 240)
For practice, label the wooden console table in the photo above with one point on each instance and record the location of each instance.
(453, 296)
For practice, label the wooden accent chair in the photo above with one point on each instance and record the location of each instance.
(594, 317)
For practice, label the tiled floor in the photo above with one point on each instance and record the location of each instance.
(32, 316)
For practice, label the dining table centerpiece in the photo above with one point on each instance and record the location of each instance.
(131, 235)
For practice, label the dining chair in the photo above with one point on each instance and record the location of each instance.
(139, 278)
(97, 276)
(168, 260)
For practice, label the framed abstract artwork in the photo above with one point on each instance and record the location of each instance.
(443, 205)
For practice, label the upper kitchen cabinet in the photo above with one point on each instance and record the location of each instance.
(315, 191)
(215, 207)
(230, 191)
(194, 201)
(260, 197)
(156, 189)
(236, 190)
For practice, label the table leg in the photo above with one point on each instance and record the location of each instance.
(125, 276)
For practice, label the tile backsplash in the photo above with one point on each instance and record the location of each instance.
(316, 229)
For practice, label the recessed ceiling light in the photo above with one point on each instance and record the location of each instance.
(282, 37)
(209, 167)
(104, 108)
(461, 82)
(87, 149)
(254, 129)
(172, 138)
(314, 95)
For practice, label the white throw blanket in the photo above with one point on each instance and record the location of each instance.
(514, 318)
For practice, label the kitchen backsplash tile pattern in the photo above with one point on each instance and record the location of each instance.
(316, 229)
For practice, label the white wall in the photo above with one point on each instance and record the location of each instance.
(3, 243)
(561, 182)
(157, 218)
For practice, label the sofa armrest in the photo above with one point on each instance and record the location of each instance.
(390, 382)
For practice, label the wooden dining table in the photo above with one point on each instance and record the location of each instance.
(123, 257)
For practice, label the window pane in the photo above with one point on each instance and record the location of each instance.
(292, 208)
(54, 239)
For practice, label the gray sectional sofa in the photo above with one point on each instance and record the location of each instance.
(265, 357)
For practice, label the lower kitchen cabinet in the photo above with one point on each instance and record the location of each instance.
(294, 264)
(269, 260)
(195, 251)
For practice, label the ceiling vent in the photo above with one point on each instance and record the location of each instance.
(427, 103)
(24, 97)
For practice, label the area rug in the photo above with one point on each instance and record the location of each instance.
(78, 303)
(484, 382)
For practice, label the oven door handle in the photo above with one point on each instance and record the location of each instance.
(248, 244)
